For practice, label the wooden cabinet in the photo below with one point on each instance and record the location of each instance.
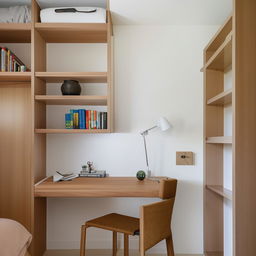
(23, 102)
(229, 134)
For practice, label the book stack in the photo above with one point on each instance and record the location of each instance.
(9, 62)
(85, 119)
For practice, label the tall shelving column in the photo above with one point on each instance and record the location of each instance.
(233, 44)
(217, 59)
(42, 34)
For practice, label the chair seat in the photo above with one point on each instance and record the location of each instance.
(116, 222)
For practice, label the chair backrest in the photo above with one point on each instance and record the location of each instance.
(155, 219)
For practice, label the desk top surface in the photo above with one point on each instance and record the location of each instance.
(98, 187)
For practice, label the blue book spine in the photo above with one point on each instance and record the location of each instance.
(68, 121)
(83, 118)
(80, 118)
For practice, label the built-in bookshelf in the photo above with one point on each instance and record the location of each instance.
(229, 135)
(24, 102)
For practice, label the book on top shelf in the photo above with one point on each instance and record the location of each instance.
(9, 62)
(85, 119)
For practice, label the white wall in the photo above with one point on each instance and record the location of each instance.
(156, 74)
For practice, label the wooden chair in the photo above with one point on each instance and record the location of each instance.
(153, 226)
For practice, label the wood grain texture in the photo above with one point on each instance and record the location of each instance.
(218, 38)
(116, 222)
(77, 32)
(244, 128)
(221, 99)
(152, 231)
(72, 131)
(38, 157)
(219, 140)
(14, 77)
(99, 187)
(220, 190)
(94, 100)
(15, 151)
(82, 77)
(222, 58)
(15, 32)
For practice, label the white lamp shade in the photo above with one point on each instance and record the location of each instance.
(163, 124)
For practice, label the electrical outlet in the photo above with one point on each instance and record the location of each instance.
(184, 158)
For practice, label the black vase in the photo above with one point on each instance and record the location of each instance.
(71, 87)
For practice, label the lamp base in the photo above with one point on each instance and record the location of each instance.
(149, 173)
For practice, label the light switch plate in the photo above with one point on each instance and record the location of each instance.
(184, 158)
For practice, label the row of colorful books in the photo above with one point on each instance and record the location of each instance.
(85, 119)
(9, 62)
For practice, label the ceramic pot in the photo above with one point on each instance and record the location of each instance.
(71, 87)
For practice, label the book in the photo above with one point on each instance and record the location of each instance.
(9, 62)
(96, 174)
(68, 121)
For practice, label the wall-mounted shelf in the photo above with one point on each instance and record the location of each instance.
(214, 254)
(72, 100)
(221, 99)
(88, 77)
(15, 32)
(222, 58)
(219, 140)
(73, 32)
(71, 131)
(226, 193)
(15, 76)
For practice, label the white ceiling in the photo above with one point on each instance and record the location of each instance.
(153, 12)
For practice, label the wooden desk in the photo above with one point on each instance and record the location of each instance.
(98, 187)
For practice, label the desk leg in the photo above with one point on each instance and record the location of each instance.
(114, 243)
(126, 245)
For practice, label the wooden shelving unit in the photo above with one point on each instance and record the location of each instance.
(72, 100)
(15, 33)
(15, 77)
(229, 161)
(226, 193)
(24, 97)
(219, 140)
(77, 32)
(83, 77)
(222, 98)
(71, 131)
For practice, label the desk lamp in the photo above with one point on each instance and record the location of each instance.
(164, 125)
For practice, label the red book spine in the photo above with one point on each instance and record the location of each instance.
(87, 119)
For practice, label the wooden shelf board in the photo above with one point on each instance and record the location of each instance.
(226, 193)
(219, 140)
(72, 100)
(222, 58)
(73, 32)
(15, 76)
(221, 99)
(88, 77)
(213, 253)
(71, 131)
(15, 32)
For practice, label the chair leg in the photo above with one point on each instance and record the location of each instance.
(114, 243)
(126, 245)
(169, 245)
(83, 240)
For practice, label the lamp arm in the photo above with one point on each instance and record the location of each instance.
(146, 153)
(146, 131)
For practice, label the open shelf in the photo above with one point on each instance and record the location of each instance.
(73, 32)
(221, 99)
(226, 193)
(72, 100)
(70, 131)
(222, 58)
(86, 77)
(214, 254)
(219, 140)
(15, 76)
(15, 32)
